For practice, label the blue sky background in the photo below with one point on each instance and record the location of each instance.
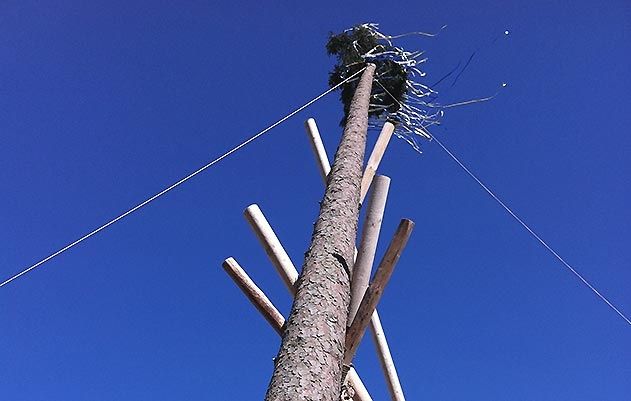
(105, 103)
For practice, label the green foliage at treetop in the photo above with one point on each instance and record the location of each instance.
(354, 48)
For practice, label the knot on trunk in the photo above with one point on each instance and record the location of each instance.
(342, 261)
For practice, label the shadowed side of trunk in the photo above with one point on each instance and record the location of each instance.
(309, 363)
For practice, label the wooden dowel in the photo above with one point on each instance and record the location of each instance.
(254, 294)
(318, 148)
(262, 303)
(361, 393)
(375, 158)
(373, 162)
(385, 358)
(368, 245)
(374, 292)
(272, 246)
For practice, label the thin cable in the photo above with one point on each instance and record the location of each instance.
(520, 221)
(181, 181)
(577, 274)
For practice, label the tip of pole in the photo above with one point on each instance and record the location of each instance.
(384, 178)
(310, 124)
(407, 223)
(252, 207)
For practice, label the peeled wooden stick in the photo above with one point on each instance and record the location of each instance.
(272, 246)
(387, 363)
(361, 393)
(318, 148)
(368, 245)
(276, 319)
(375, 157)
(254, 294)
(385, 358)
(373, 294)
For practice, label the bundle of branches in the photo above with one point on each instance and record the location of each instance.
(398, 95)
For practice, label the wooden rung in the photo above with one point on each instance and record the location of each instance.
(375, 158)
(385, 358)
(273, 248)
(318, 148)
(256, 296)
(356, 330)
(368, 245)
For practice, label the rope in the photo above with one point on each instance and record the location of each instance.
(537, 237)
(178, 183)
(520, 221)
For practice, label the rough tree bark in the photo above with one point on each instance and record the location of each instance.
(309, 364)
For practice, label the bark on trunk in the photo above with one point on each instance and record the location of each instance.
(309, 364)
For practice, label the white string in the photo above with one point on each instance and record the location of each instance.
(520, 221)
(577, 274)
(181, 181)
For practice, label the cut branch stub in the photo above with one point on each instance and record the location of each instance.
(356, 330)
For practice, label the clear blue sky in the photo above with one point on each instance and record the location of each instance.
(105, 103)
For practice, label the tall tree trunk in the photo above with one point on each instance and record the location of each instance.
(309, 363)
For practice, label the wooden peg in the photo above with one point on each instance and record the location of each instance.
(273, 248)
(356, 330)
